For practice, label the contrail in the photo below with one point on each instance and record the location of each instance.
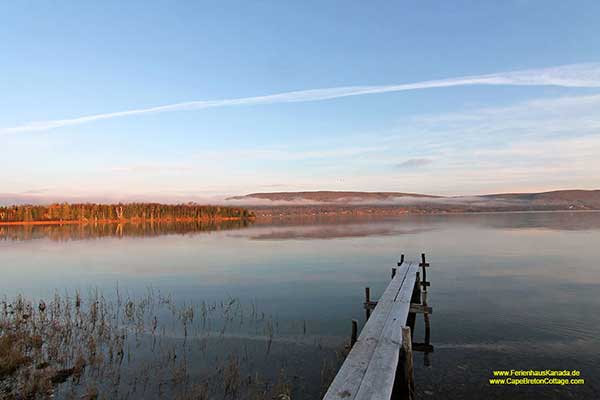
(574, 75)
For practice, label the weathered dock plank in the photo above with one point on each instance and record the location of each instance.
(378, 344)
(378, 381)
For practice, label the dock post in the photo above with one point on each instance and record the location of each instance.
(424, 265)
(417, 292)
(408, 361)
(367, 302)
(401, 260)
(427, 328)
(404, 384)
(415, 299)
(354, 333)
(426, 359)
(394, 270)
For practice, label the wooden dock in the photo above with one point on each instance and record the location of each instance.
(380, 363)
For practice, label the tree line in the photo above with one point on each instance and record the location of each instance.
(112, 212)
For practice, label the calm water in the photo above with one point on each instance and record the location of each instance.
(509, 291)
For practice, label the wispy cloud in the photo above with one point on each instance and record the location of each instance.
(414, 163)
(575, 75)
(540, 144)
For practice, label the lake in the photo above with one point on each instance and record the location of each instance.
(508, 290)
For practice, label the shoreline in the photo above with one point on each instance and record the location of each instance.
(332, 214)
(123, 221)
(265, 218)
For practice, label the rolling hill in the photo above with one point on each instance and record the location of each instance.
(395, 203)
(328, 196)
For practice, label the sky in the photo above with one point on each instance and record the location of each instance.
(191, 101)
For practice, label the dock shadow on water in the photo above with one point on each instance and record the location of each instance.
(151, 347)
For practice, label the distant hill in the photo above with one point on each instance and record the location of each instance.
(328, 196)
(576, 198)
(396, 203)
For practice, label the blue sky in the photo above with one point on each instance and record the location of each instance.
(65, 61)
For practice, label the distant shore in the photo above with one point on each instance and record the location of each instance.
(286, 212)
(125, 221)
(96, 213)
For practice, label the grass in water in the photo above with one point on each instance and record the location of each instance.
(147, 347)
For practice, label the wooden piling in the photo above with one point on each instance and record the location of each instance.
(408, 361)
(427, 328)
(354, 335)
(424, 264)
(428, 346)
(404, 385)
(417, 298)
(401, 260)
(393, 272)
(367, 301)
(426, 359)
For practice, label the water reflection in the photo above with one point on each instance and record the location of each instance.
(559, 221)
(95, 231)
(312, 227)
(321, 232)
(514, 290)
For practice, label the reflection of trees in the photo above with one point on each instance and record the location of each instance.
(91, 212)
(95, 231)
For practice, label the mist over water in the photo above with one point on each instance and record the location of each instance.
(509, 291)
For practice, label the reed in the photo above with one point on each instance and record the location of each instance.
(128, 347)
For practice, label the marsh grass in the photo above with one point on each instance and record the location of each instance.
(129, 347)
